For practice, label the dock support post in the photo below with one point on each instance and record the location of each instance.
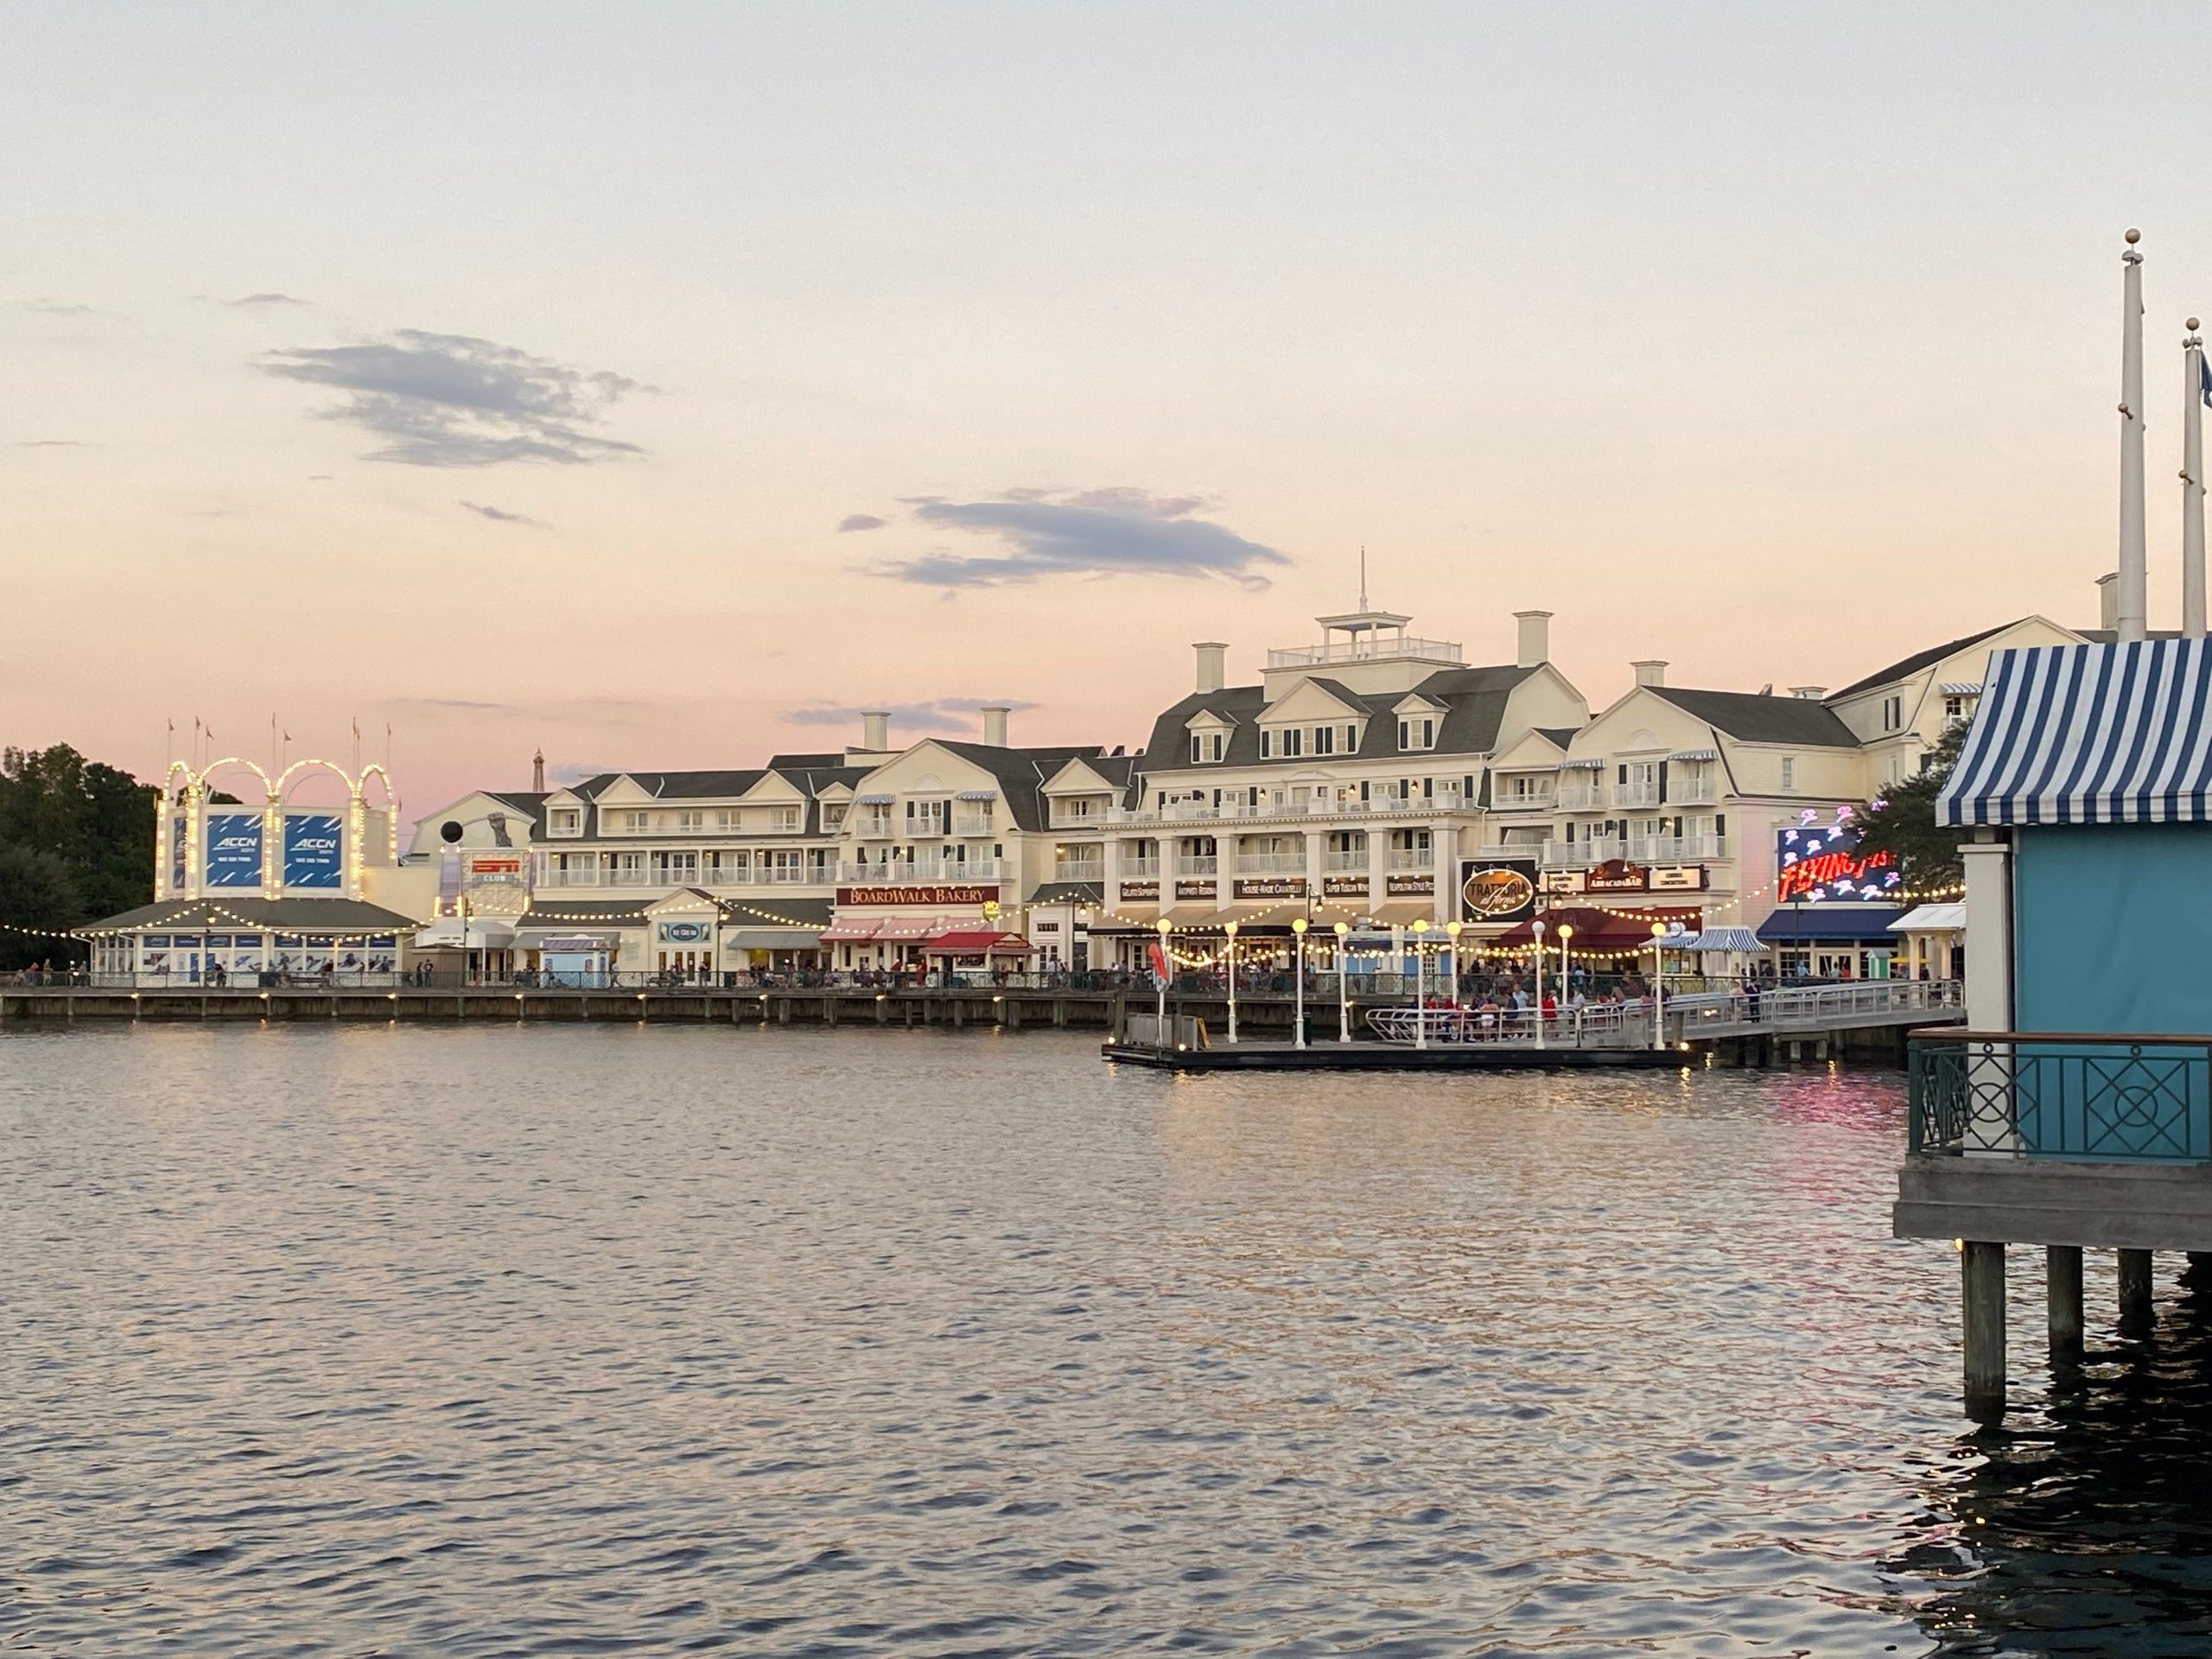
(2198, 1275)
(2063, 1296)
(1981, 1277)
(783, 1010)
(2134, 1291)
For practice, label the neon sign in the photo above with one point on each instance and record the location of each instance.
(1814, 865)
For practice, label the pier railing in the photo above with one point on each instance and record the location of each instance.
(2013, 1094)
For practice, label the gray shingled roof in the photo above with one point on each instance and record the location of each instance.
(1753, 717)
(1914, 664)
(282, 915)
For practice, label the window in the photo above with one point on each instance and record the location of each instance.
(567, 820)
(782, 817)
(1417, 733)
(924, 819)
(1955, 707)
(726, 818)
(1790, 772)
(1892, 713)
(1293, 743)
(1325, 740)
(691, 819)
(832, 815)
(1206, 748)
(637, 823)
(1267, 743)
(1351, 739)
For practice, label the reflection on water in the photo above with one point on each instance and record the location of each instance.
(554, 1341)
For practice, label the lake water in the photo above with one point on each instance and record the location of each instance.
(410, 1340)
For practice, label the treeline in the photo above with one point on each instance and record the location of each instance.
(76, 844)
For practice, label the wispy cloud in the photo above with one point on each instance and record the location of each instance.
(1099, 532)
(451, 400)
(945, 715)
(575, 773)
(501, 516)
(50, 307)
(54, 443)
(860, 521)
(265, 300)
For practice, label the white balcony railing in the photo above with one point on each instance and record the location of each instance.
(874, 826)
(1693, 792)
(1140, 869)
(1340, 861)
(921, 870)
(727, 875)
(1411, 858)
(1637, 794)
(1199, 864)
(1581, 855)
(1270, 863)
(1080, 870)
(572, 878)
(1380, 805)
(1380, 647)
(1676, 850)
(974, 823)
(619, 878)
(1580, 797)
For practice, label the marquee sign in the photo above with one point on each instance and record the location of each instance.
(1618, 876)
(879, 898)
(1271, 886)
(1819, 864)
(1410, 886)
(313, 844)
(1194, 888)
(234, 850)
(1140, 892)
(685, 932)
(1499, 890)
(1344, 887)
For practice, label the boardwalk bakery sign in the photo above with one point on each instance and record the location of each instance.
(861, 898)
(1815, 863)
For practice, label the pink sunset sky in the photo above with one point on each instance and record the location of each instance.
(661, 384)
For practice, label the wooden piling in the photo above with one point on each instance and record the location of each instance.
(2062, 1297)
(1981, 1279)
(2134, 1291)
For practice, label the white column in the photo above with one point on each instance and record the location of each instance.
(1989, 993)
(1444, 850)
(2192, 486)
(1314, 839)
(1109, 886)
(2134, 573)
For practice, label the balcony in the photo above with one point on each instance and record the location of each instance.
(1642, 794)
(1676, 850)
(1581, 855)
(874, 826)
(974, 823)
(1199, 864)
(1411, 858)
(1541, 801)
(572, 878)
(1076, 815)
(1338, 862)
(1396, 647)
(929, 870)
(621, 878)
(1693, 792)
(1271, 863)
(1080, 870)
(1140, 869)
(1581, 798)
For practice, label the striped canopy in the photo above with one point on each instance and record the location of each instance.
(2117, 733)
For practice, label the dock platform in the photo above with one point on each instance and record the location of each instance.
(1392, 1056)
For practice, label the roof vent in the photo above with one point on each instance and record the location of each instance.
(1808, 693)
(1650, 671)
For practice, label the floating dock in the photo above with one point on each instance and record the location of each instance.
(1393, 1057)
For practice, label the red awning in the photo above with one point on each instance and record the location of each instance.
(977, 943)
(850, 932)
(1593, 926)
(908, 927)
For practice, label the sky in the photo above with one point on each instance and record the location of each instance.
(662, 385)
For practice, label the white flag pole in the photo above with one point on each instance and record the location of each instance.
(2192, 485)
(2134, 567)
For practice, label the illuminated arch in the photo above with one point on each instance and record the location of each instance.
(213, 767)
(281, 790)
(390, 804)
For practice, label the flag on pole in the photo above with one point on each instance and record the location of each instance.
(2204, 378)
(1159, 960)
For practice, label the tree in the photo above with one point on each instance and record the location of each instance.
(96, 821)
(38, 897)
(1903, 822)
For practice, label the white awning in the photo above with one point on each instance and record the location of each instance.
(1576, 765)
(1960, 687)
(770, 939)
(978, 795)
(1695, 755)
(1720, 938)
(1932, 918)
(874, 800)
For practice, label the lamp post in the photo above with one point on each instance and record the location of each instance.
(1159, 972)
(1453, 928)
(1566, 978)
(1343, 984)
(1658, 985)
(1537, 928)
(1420, 983)
(1230, 929)
(1298, 929)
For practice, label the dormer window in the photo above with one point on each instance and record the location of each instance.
(637, 823)
(1417, 732)
(565, 821)
(1207, 748)
(690, 820)
(1892, 713)
(1325, 740)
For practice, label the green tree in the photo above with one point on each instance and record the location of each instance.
(98, 822)
(38, 897)
(1903, 822)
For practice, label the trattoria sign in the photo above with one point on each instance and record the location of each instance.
(884, 897)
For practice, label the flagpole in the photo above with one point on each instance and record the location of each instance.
(2134, 567)
(2192, 484)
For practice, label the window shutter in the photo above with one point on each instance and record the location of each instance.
(1663, 783)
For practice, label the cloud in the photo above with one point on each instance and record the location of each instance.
(457, 705)
(501, 516)
(860, 521)
(557, 775)
(1100, 532)
(52, 307)
(54, 443)
(322, 478)
(948, 714)
(264, 299)
(450, 400)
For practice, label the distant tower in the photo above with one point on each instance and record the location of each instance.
(538, 772)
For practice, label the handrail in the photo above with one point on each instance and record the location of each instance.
(1953, 1034)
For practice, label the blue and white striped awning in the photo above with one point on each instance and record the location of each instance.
(2118, 733)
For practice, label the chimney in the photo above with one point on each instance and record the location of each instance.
(875, 731)
(995, 727)
(1808, 693)
(2108, 601)
(538, 772)
(1213, 665)
(1650, 671)
(1535, 641)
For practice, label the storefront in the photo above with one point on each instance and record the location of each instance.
(249, 941)
(1831, 941)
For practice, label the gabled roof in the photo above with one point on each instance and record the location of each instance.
(1918, 660)
(1021, 774)
(1473, 699)
(1753, 717)
(228, 914)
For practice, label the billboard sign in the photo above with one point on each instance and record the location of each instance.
(1497, 890)
(1818, 864)
(178, 862)
(686, 932)
(314, 843)
(234, 850)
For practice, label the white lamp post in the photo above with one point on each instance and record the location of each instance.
(1420, 983)
(1658, 985)
(1230, 928)
(1297, 928)
(1160, 1031)
(1343, 984)
(1537, 928)
(1565, 980)
(1453, 928)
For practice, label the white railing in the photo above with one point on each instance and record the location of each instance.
(875, 826)
(619, 878)
(727, 875)
(1637, 794)
(572, 878)
(1140, 869)
(1066, 815)
(1379, 648)
(1676, 850)
(1381, 805)
(1693, 792)
(1627, 1024)
(1580, 797)
(1581, 855)
(1202, 864)
(1270, 863)
(1508, 803)
(1342, 862)
(1504, 849)
(919, 870)
(1404, 858)
(1086, 870)
(973, 824)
